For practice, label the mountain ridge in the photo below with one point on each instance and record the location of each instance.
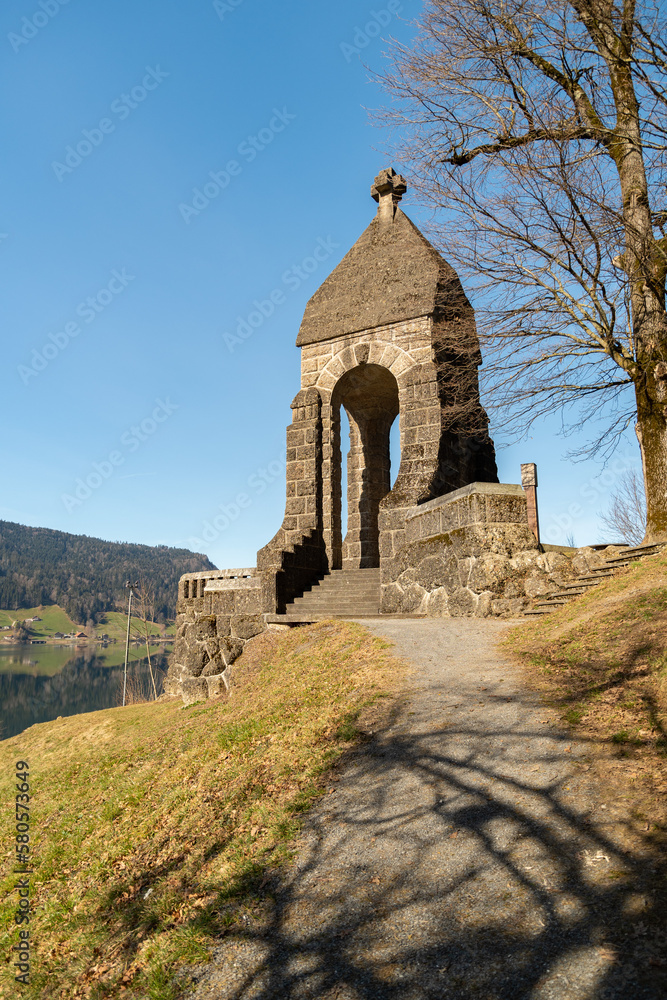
(85, 575)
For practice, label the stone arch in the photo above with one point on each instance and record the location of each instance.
(369, 394)
(415, 400)
(376, 352)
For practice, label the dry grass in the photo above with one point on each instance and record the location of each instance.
(154, 826)
(139, 688)
(602, 661)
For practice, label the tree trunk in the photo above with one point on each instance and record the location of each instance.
(651, 431)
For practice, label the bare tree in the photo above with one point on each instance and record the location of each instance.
(538, 131)
(626, 515)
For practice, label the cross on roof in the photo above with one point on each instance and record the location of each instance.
(388, 189)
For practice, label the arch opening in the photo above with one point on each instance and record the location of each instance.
(369, 396)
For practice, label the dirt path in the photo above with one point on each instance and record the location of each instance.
(463, 854)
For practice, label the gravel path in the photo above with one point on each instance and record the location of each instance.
(464, 853)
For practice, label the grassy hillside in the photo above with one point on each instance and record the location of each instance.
(154, 824)
(601, 660)
(114, 624)
(54, 619)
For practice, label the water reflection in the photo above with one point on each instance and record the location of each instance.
(39, 683)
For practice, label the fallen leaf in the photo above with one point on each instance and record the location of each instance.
(605, 952)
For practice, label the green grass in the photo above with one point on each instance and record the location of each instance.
(112, 623)
(197, 805)
(54, 620)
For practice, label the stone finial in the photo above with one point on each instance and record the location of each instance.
(388, 189)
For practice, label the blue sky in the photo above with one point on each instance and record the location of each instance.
(165, 167)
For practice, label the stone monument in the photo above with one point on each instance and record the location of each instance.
(390, 333)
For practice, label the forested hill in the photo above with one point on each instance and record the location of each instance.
(86, 576)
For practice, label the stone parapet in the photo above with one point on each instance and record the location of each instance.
(470, 552)
(191, 586)
(475, 504)
(217, 613)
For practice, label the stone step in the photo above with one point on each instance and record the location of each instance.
(611, 566)
(369, 575)
(318, 616)
(325, 593)
(337, 599)
(310, 613)
(337, 606)
(350, 584)
(599, 573)
(338, 588)
(305, 619)
(637, 552)
(341, 593)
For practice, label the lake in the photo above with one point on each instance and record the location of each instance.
(39, 683)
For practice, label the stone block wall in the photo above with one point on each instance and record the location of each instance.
(296, 555)
(470, 552)
(216, 614)
(444, 440)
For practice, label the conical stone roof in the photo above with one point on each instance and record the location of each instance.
(391, 274)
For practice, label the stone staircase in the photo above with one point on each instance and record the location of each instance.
(557, 598)
(343, 593)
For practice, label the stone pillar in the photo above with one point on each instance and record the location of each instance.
(303, 464)
(355, 486)
(369, 483)
(296, 553)
(331, 485)
(420, 414)
(529, 483)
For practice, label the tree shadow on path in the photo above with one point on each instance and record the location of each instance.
(464, 860)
